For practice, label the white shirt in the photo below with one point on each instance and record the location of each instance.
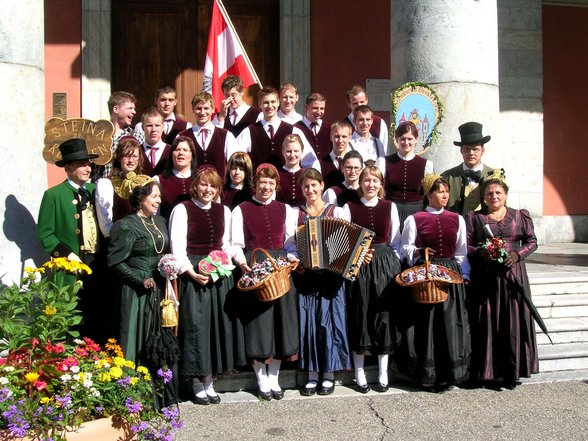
(104, 203)
(395, 243)
(479, 167)
(409, 249)
(238, 233)
(330, 196)
(369, 149)
(383, 133)
(428, 165)
(293, 118)
(240, 111)
(178, 233)
(308, 160)
(231, 145)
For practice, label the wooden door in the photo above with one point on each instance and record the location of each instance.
(160, 42)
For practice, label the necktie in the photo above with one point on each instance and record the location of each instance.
(203, 135)
(314, 128)
(270, 131)
(84, 197)
(153, 155)
(168, 125)
(233, 118)
(339, 160)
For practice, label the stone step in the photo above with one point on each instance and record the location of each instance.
(567, 364)
(557, 300)
(563, 311)
(563, 337)
(563, 351)
(558, 286)
(567, 324)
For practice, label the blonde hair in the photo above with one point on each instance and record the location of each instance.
(373, 171)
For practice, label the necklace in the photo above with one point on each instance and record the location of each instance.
(159, 235)
(498, 215)
(314, 211)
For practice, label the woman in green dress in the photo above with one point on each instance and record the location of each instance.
(137, 242)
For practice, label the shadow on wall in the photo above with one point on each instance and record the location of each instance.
(20, 227)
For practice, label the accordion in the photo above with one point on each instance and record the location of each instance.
(333, 244)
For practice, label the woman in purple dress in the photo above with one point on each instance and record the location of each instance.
(176, 179)
(504, 343)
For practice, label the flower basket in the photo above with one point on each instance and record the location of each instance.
(272, 281)
(428, 282)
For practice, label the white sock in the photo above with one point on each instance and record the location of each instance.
(328, 379)
(358, 360)
(383, 369)
(209, 389)
(312, 380)
(261, 374)
(198, 388)
(273, 372)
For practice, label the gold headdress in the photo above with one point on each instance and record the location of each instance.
(124, 186)
(428, 181)
(497, 173)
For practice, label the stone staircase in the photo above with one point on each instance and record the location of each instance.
(561, 296)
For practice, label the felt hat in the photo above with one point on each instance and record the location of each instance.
(471, 133)
(73, 150)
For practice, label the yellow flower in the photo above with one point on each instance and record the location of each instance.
(49, 310)
(69, 266)
(116, 372)
(142, 370)
(130, 364)
(31, 270)
(134, 380)
(104, 377)
(46, 400)
(119, 361)
(31, 377)
(147, 377)
(101, 363)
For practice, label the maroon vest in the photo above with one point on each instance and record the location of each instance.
(215, 153)
(321, 142)
(437, 231)
(173, 191)
(264, 225)
(345, 195)
(331, 174)
(120, 207)
(161, 165)
(179, 126)
(290, 191)
(205, 228)
(249, 118)
(231, 197)
(375, 218)
(265, 150)
(403, 178)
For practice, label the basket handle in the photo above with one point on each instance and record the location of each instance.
(268, 255)
(427, 250)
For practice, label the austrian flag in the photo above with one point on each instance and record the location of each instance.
(225, 55)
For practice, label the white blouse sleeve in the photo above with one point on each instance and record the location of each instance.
(290, 236)
(309, 159)
(237, 235)
(231, 146)
(104, 201)
(395, 239)
(429, 167)
(178, 236)
(461, 249)
(226, 246)
(330, 197)
(339, 213)
(409, 249)
(346, 213)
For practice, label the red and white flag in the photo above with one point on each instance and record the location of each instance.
(225, 55)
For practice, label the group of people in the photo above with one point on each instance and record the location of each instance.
(247, 178)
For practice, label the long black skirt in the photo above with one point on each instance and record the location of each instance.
(271, 328)
(436, 341)
(372, 328)
(210, 339)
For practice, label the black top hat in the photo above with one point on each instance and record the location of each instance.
(471, 133)
(73, 150)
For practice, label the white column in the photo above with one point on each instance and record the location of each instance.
(451, 45)
(23, 172)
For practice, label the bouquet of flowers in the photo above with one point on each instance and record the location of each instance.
(419, 274)
(492, 250)
(216, 265)
(168, 266)
(260, 271)
(50, 383)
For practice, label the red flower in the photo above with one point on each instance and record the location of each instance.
(40, 385)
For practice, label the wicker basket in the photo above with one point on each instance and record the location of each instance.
(275, 285)
(430, 291)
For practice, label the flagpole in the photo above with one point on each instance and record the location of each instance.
(245, 56)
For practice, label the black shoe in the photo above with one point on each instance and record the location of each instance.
(264, 396)
(201, 401)
(362, 389)
(322, 390)
(379, 387)
(308, 391)
(277, 394)
(216, 399)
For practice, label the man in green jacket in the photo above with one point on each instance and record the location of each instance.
(465, 179)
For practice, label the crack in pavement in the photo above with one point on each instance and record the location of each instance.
(387, 429)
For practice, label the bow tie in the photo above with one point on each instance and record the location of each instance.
(84, 197)
(475, 176)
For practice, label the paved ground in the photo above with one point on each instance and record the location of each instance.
(544, 411)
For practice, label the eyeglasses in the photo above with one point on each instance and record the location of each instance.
(132, 156)
(476, 149)
(350, 168)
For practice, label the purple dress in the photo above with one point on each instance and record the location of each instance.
(503, 341)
